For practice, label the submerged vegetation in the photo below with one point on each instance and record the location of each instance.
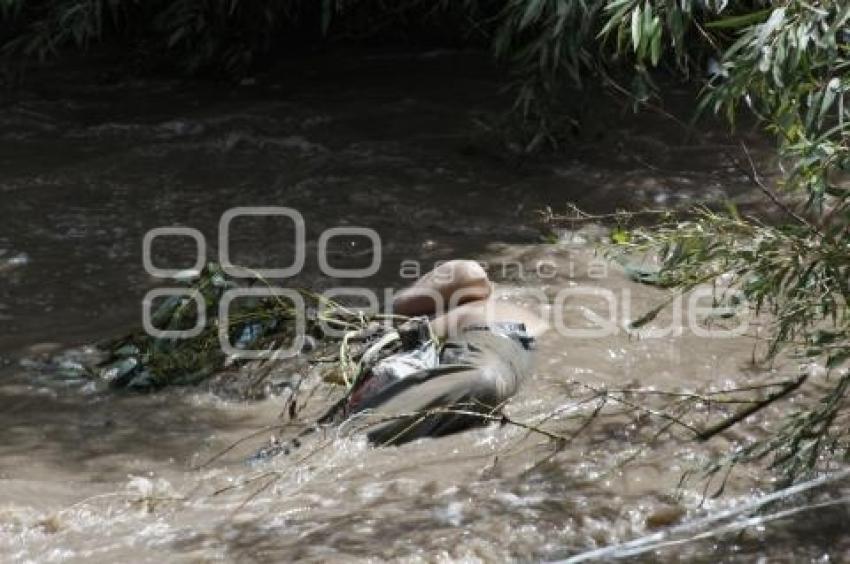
(143, 361)
(262, 329)
(784, 62)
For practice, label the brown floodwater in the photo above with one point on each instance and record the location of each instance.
(406, 145)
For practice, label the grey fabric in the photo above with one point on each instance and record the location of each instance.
(478, 372)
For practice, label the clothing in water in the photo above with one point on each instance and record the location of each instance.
(430, 391)
(475, 372)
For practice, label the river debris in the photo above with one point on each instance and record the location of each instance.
(334, 336)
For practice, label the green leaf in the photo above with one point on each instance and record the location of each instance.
(647, 317)
(775, 20)
(842, 18)
(734, 22)
(655, 49)
(651, 276)
(533, 9)
(646, 31)
(617, 19)
(636, 21)
(733, 210)
(620, 236)
(829, 94)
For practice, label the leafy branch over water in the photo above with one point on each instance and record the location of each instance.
(787, 64)
(798, 276)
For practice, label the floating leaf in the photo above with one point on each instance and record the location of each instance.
(620, 236)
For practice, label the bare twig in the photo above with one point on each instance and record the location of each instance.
(646, 410)
(497, 417)
(236, 443)
(752, 173)
(580, 216)
(746, 412)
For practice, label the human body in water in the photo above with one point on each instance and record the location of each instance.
(477, 358)
(471, 358)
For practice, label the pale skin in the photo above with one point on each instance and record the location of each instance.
(458, 294)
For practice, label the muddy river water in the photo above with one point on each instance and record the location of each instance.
(404, 145)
